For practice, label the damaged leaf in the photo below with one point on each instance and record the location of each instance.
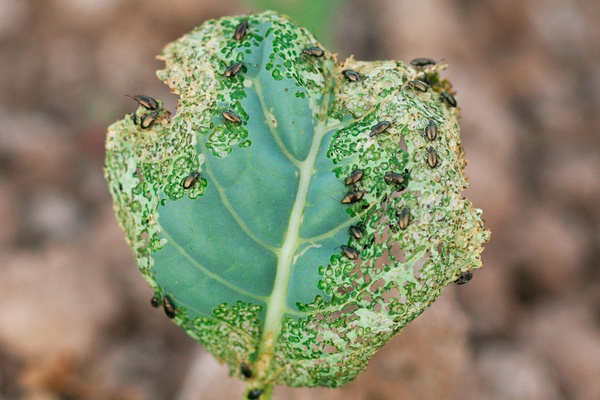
(237, 208)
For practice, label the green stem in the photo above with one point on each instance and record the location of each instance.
(268, 394)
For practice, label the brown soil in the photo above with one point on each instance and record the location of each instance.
(75, 318)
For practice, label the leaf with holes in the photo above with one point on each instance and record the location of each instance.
(296, 212)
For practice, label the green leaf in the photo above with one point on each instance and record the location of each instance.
(249, 252)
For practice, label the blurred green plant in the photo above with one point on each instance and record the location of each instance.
(296, 213)
(319, 16)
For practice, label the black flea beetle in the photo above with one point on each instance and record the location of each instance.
(354, 177)
(431, 130)
(155, 302)
(352, 76)
(403, 218)
(350, 252)
(255, 394)
(169, 307)
(353, 197)
(432, 157)
(422, 62)
(464, 278)
(232, 117)
(313, 51)
(246, 371)
(396, 179)
(356, 232)
(380, 128)
(241, 30)
(145, 101)
(191, 180)
(232, 70)
(448, 99)
(146, 120)
(418, 85)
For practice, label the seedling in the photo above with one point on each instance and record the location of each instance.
(250, 250)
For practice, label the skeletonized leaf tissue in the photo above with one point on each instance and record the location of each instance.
(296, 212)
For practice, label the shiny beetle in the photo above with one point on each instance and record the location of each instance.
(353, 197)
(168, 307)
(354, 177)
(418, 85)
(145, 101)
(352, 76)
(350, 252)
(392, 177)
(232, 70)
(432, 157)
(146, 120)
(232, 117)
(313, 51)
(356, 232)
(191, 180)
(255, 394)
(464, 277)
(135, 118)
(155, 302)
(404, 218)
(448, 99)
(380, 128)
(241, 30)
(431, 130)
(246, 371)
(422, 62)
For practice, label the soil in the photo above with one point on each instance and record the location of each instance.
(75, 315)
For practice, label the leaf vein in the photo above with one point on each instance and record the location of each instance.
(212, 275)
(280, 144)
(234, 214)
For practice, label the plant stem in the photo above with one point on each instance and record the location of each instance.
(268, 394)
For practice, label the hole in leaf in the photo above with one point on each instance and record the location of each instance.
(401, 146)
(145, 236)
(393, 293)
(329, 349)
(377, 285)
(350, 309)
(138, 174)
(418, 265)
(440, 247)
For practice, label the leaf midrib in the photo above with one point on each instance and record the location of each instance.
(277, 303)
(290, 244)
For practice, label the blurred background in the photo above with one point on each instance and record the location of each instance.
(75, 315)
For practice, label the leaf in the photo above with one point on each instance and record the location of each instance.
(250, 252)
